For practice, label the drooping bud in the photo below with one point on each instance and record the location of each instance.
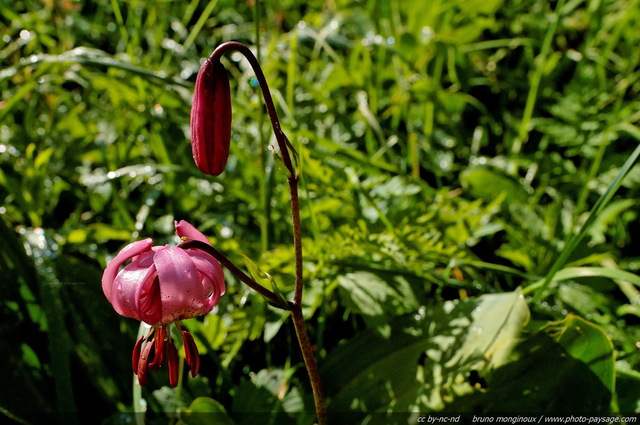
(211, 118)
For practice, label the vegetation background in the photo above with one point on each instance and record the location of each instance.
(469, 194)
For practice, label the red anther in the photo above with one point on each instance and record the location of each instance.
(143, 364)
(159, 354)
(135, 357)
(211, 118)
(185, 344)
(191, 353)
(172, 361)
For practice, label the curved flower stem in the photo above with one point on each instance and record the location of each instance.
(294, 176)
(283, 142)
(242, 276)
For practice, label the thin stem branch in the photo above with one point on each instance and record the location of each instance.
(297, 238)
(296, 311)
(242, 276)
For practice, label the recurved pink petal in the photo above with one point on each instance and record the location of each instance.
(128, 252)
(148, 302)
(185, 230)
(210, 270)
(180, 285)
(128, 284)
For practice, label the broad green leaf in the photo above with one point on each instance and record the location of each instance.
(544, 379)
(627, 387)
(427, 357)
(588, 343)
(497, 321)
(586, 301)
(104, 232)
(30, 357)
(486, 183)
(43, 158)
(365, 293)
(77, 236)
(205, 410)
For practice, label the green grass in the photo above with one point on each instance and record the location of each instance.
(450, 152)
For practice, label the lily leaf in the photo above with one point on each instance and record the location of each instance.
(427, 357)
(586, 342)
(264, 279)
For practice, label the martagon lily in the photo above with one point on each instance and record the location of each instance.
(160, 286)
(210, 141)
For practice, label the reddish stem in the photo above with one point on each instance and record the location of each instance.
(296, 306)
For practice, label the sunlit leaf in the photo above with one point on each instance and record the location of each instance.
(487, 184)
(588, 343)
(427, 355)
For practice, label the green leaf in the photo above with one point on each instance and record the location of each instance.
(205, 410)
(607, 218)
(544, 379)
(264, 279)
(486, 183)
(582, 272)
(588, 343)
(427, 356)
(365, 293)
(575, 239)
(627, 387)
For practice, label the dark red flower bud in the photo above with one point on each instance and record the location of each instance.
(211, 118)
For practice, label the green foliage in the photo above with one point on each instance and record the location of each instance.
(424, 360)
(469, 198)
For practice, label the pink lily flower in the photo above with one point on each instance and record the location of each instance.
(159, 286)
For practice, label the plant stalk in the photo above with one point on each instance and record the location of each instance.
(294, 176)
(309, 362)
(283, 143)
(296, 311)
